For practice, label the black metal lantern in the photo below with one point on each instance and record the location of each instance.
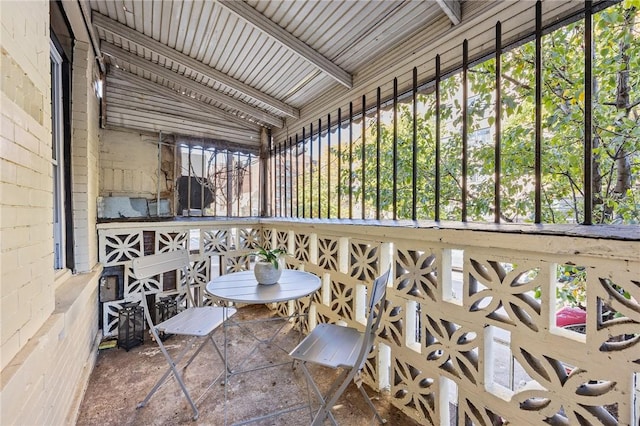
(130, 325)
(166, 307)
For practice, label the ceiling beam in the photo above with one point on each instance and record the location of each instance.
(174, 96)
(79, 16)
(160, 71)
(273, 30)
(452, 9)
(161, 49)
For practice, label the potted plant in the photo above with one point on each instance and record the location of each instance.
(269, 265)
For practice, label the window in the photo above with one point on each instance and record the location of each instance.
(57, 159)
(217, 182)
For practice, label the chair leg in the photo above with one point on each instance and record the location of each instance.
(325, 407)
(373, 408)
(215, 345)
(172, 369)
(332, 398)
(204, 341)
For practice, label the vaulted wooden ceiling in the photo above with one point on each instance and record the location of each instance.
(225, 69)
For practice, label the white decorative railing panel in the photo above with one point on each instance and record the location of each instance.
(471, 330)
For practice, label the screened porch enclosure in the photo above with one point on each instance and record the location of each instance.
(538, 129)
(497, 172)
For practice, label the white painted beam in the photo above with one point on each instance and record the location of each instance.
(270, 28)
(161, 49)
(452, 9)
(190, 84)
(79, 19)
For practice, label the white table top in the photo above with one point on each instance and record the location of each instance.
(242, 287)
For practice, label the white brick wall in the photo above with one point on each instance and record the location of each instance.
(25, 191)
(86, 151)
(128, 164)
(47, 329)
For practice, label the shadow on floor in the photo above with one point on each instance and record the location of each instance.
(122, 379)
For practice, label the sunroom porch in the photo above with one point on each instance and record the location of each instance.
(470, 330)
(487, 151)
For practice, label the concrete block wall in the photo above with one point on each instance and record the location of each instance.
(48, 318)
(128, 164)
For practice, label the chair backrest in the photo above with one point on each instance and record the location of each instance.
(148, 266)
(374, 315)
(156, 264)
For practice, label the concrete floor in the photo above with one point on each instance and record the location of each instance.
(121, 379)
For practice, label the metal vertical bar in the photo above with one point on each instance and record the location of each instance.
(378, 139)
(264, 174)
(350, 160)
(329, 166)
(215, 182)
(279, 180)
(290, 176)
(465, 112)
(238, 187)
(280, 202)
(498, 123)
(283, 179)
(414, 146)
(319, 168)
(437, 174)
(364, 155)
(281, 184)
(339, 212)
(538, 124)
(272, 176)
(229, 186)
(158, 173)
(204, 178)
(285, 188)
(272, 184)
(297, 177)
(588, 118)
(311, 170)
(250, 186)
(275, 191)
(276, 180)
(304, 174)
(395, 149)
(283, 176)
(189, 184)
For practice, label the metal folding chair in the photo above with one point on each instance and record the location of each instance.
(347, 348)
(199, 322)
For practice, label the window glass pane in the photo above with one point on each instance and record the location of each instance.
(215, 182)
(57, 146)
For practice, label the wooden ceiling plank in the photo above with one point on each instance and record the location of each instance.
(452, 9)
(138, 38)
(264, 24)
(186, 82)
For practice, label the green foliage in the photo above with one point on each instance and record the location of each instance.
(271, 256)
(572, 285)
(615, 135)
